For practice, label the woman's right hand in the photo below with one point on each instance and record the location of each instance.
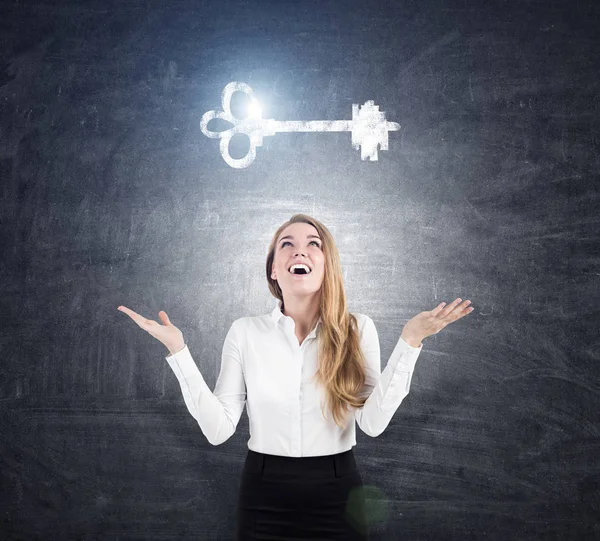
(168, 334)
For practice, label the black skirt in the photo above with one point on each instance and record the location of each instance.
(289, 498)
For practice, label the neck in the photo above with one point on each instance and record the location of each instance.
(304, 311)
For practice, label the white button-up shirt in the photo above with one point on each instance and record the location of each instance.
(264, 367)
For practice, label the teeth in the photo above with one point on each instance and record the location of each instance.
(300, 266)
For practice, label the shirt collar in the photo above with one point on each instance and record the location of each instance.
(277, 315)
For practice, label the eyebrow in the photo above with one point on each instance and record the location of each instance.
(307, 236)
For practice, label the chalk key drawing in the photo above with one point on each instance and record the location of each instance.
(368, 126)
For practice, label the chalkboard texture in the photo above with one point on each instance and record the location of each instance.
(112, 195)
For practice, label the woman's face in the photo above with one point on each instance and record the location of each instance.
(299, 243)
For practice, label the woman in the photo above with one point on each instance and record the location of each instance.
(292, 368)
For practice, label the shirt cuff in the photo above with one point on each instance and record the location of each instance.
(177, 353)
(184, 366)
(411, 347)
(406, 356)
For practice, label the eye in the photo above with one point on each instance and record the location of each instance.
(288, 242)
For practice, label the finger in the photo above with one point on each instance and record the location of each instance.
(163, 315)
(140, 320)
(438, 309)
(128, 311)
(443, 312)
(461, 310)
(451, 307)
(466, 309)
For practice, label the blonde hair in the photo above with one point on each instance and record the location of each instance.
(341, 367)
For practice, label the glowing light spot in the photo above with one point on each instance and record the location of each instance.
(254, 109)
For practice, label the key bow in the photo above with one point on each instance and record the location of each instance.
(254, 127)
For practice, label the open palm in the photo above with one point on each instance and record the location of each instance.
(168, 334)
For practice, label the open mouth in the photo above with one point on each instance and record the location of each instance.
(299, 270)
(300, 273)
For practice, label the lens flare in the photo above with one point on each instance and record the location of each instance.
(254, 109)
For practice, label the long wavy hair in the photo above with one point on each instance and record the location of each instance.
(342, 366)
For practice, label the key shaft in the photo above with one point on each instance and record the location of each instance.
(311, 125)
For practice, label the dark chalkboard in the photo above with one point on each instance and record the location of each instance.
(111, 194)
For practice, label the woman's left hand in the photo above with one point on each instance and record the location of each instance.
(433, 321)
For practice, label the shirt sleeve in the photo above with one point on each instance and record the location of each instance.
(385, 390)
(218, 412)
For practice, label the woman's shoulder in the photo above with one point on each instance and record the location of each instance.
(362, 321)
(360, 317)
(252, 323)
